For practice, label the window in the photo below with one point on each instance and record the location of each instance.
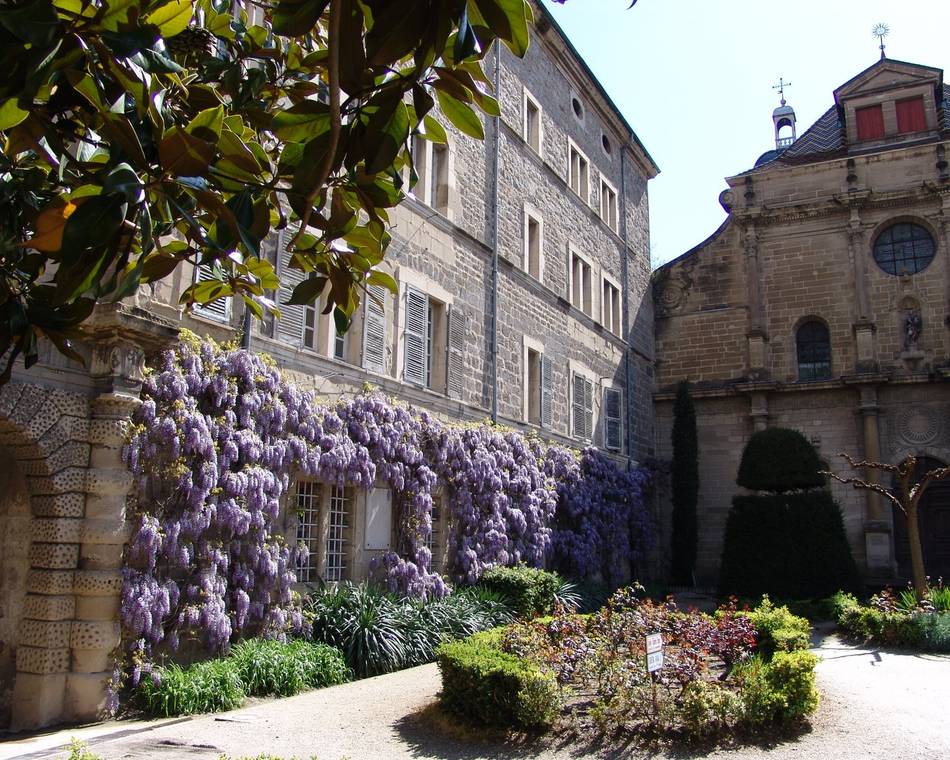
(580, 283)
(610, 307)
(338, 516)
(374, 329)
(904, 248)
(814, 351)
(431, 162)
(582, 407)
(433, 348)
(339, 346)
(910, 115)
(608, 204)
(613, 419)
(578, 174)
(311, 325)
(870, 121)
(533, 386)
(532, 244)
(577, 107)
(379, 519)
(605, 144)
(218, 310)
(307, 505)
(532, 122)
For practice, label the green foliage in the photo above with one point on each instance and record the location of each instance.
(789, 545)
(378, 633)
(779, 459)
(939, 597)
(485, 685)
(79, 751)
(935, 631)
(684, 480)
(884, 622)
(528, 590)
(134, 140)
(781, 689)
(268, 667)
(708, 708)
(210, 686)
(777, 629)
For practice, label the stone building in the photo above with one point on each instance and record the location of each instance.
(821, 304)
(522, 264)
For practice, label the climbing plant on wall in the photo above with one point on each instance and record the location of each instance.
(219, 438)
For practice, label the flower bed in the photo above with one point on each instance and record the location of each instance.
(898, 620)
(593, 669)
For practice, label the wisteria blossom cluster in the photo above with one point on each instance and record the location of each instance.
(220, 437)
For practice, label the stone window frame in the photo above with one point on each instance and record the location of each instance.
(530, 344)
(447, 197)
(609, 385)
(531, 213)
(617, 318)
(572, 252)
(582, 116)
(802, 322)
(527, 98)
(894, 221)
(576, 369)
(324, 493)
(611, 220)
(409, 279)
(572, 147)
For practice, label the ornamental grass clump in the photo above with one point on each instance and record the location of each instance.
(274, 668)
(211, 686)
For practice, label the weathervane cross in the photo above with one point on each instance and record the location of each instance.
(782, 84)
(881, 31)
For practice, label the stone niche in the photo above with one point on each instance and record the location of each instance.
(14, 565)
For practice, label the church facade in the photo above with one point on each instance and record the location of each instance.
(821, 304)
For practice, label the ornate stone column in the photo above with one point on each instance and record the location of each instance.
(864, 327)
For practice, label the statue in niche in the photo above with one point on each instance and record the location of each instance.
(912, 326)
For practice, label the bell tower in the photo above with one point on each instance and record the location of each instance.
(783, 117)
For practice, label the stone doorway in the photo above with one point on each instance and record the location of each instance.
(934, 529)
(14, 566)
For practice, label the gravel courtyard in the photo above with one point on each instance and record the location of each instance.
(874, 705)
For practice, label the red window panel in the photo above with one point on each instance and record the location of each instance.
(870, 123)
(910, 115)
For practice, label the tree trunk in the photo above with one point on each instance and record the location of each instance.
(916, 551)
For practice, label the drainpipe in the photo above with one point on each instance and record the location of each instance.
(493, 211)
(625, 318)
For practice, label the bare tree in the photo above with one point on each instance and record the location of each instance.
(907, 499)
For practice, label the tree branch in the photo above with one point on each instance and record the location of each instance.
(858, 483)
(872, 465)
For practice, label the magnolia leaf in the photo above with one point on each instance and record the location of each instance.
(434, 131)
(462, 116)
(302, 122)
(378, 277)
(49, 227)
(295, 18)
(184, 154)
(94, 223)
(207, 124)
(11, 114)
(171, 18)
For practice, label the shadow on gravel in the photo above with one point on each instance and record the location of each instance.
(431, 733)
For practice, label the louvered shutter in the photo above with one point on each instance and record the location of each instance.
(220, 309)
(613, 412)
(455, 367)
(579, 407)
(291, 322)
(374, 329)
(547, 372)
(414, 339)
(588, 409)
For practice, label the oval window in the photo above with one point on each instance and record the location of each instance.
(904, 248)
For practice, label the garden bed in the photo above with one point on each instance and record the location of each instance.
(898, 619)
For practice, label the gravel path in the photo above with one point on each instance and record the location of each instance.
(891, 705)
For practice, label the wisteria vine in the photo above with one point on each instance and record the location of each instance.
(221, 435)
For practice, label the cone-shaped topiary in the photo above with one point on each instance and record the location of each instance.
(685, 487)
(779, 459)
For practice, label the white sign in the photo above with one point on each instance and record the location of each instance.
(654, 661)
(379, 518)
(654, 643)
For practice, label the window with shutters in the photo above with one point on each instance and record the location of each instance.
(218, 310)
(532, 411)
(375, 345)
(532, 122)
(910, 115)
(870, 122)
(424, 340)
(580, 283)
(613, 419)
(582, 407)
(610, 306)
(455, 369)
(533, 240)
(578, 172)
(292, 325)
(608, 204)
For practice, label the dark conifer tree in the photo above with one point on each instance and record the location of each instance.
(685, 487)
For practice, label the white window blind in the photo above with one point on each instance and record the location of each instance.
(547, 373)
(613, 419)
(415, 338)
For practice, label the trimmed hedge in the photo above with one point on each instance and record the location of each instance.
(485, 685)
(782, 689)
(777, 629)
(790, 545)
(527, 590)
(779, 459)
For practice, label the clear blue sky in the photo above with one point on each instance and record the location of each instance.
(694, 78)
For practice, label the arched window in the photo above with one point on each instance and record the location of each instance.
(904, 248)
(814, 351)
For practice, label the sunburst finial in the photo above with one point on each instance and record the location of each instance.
(881, 31)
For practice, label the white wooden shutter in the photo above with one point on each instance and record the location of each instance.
(220, 309)
(291, 322)
(374, 329)
(579, 406)
(455, 367)
(588, 409)
(547, 373)
(613, 413)
(415, 337)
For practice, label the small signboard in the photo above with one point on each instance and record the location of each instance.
(654, 652)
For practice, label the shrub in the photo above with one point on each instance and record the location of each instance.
(779, 459)
(485, 685)
(777, 629)
(708, 708)
(790, 545)
(268, 667)
(528, 590)
(684, 483)
(781, 689)
(209, 686)
(935, 631)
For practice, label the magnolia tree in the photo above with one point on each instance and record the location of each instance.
(911, 486)
(140, 134)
